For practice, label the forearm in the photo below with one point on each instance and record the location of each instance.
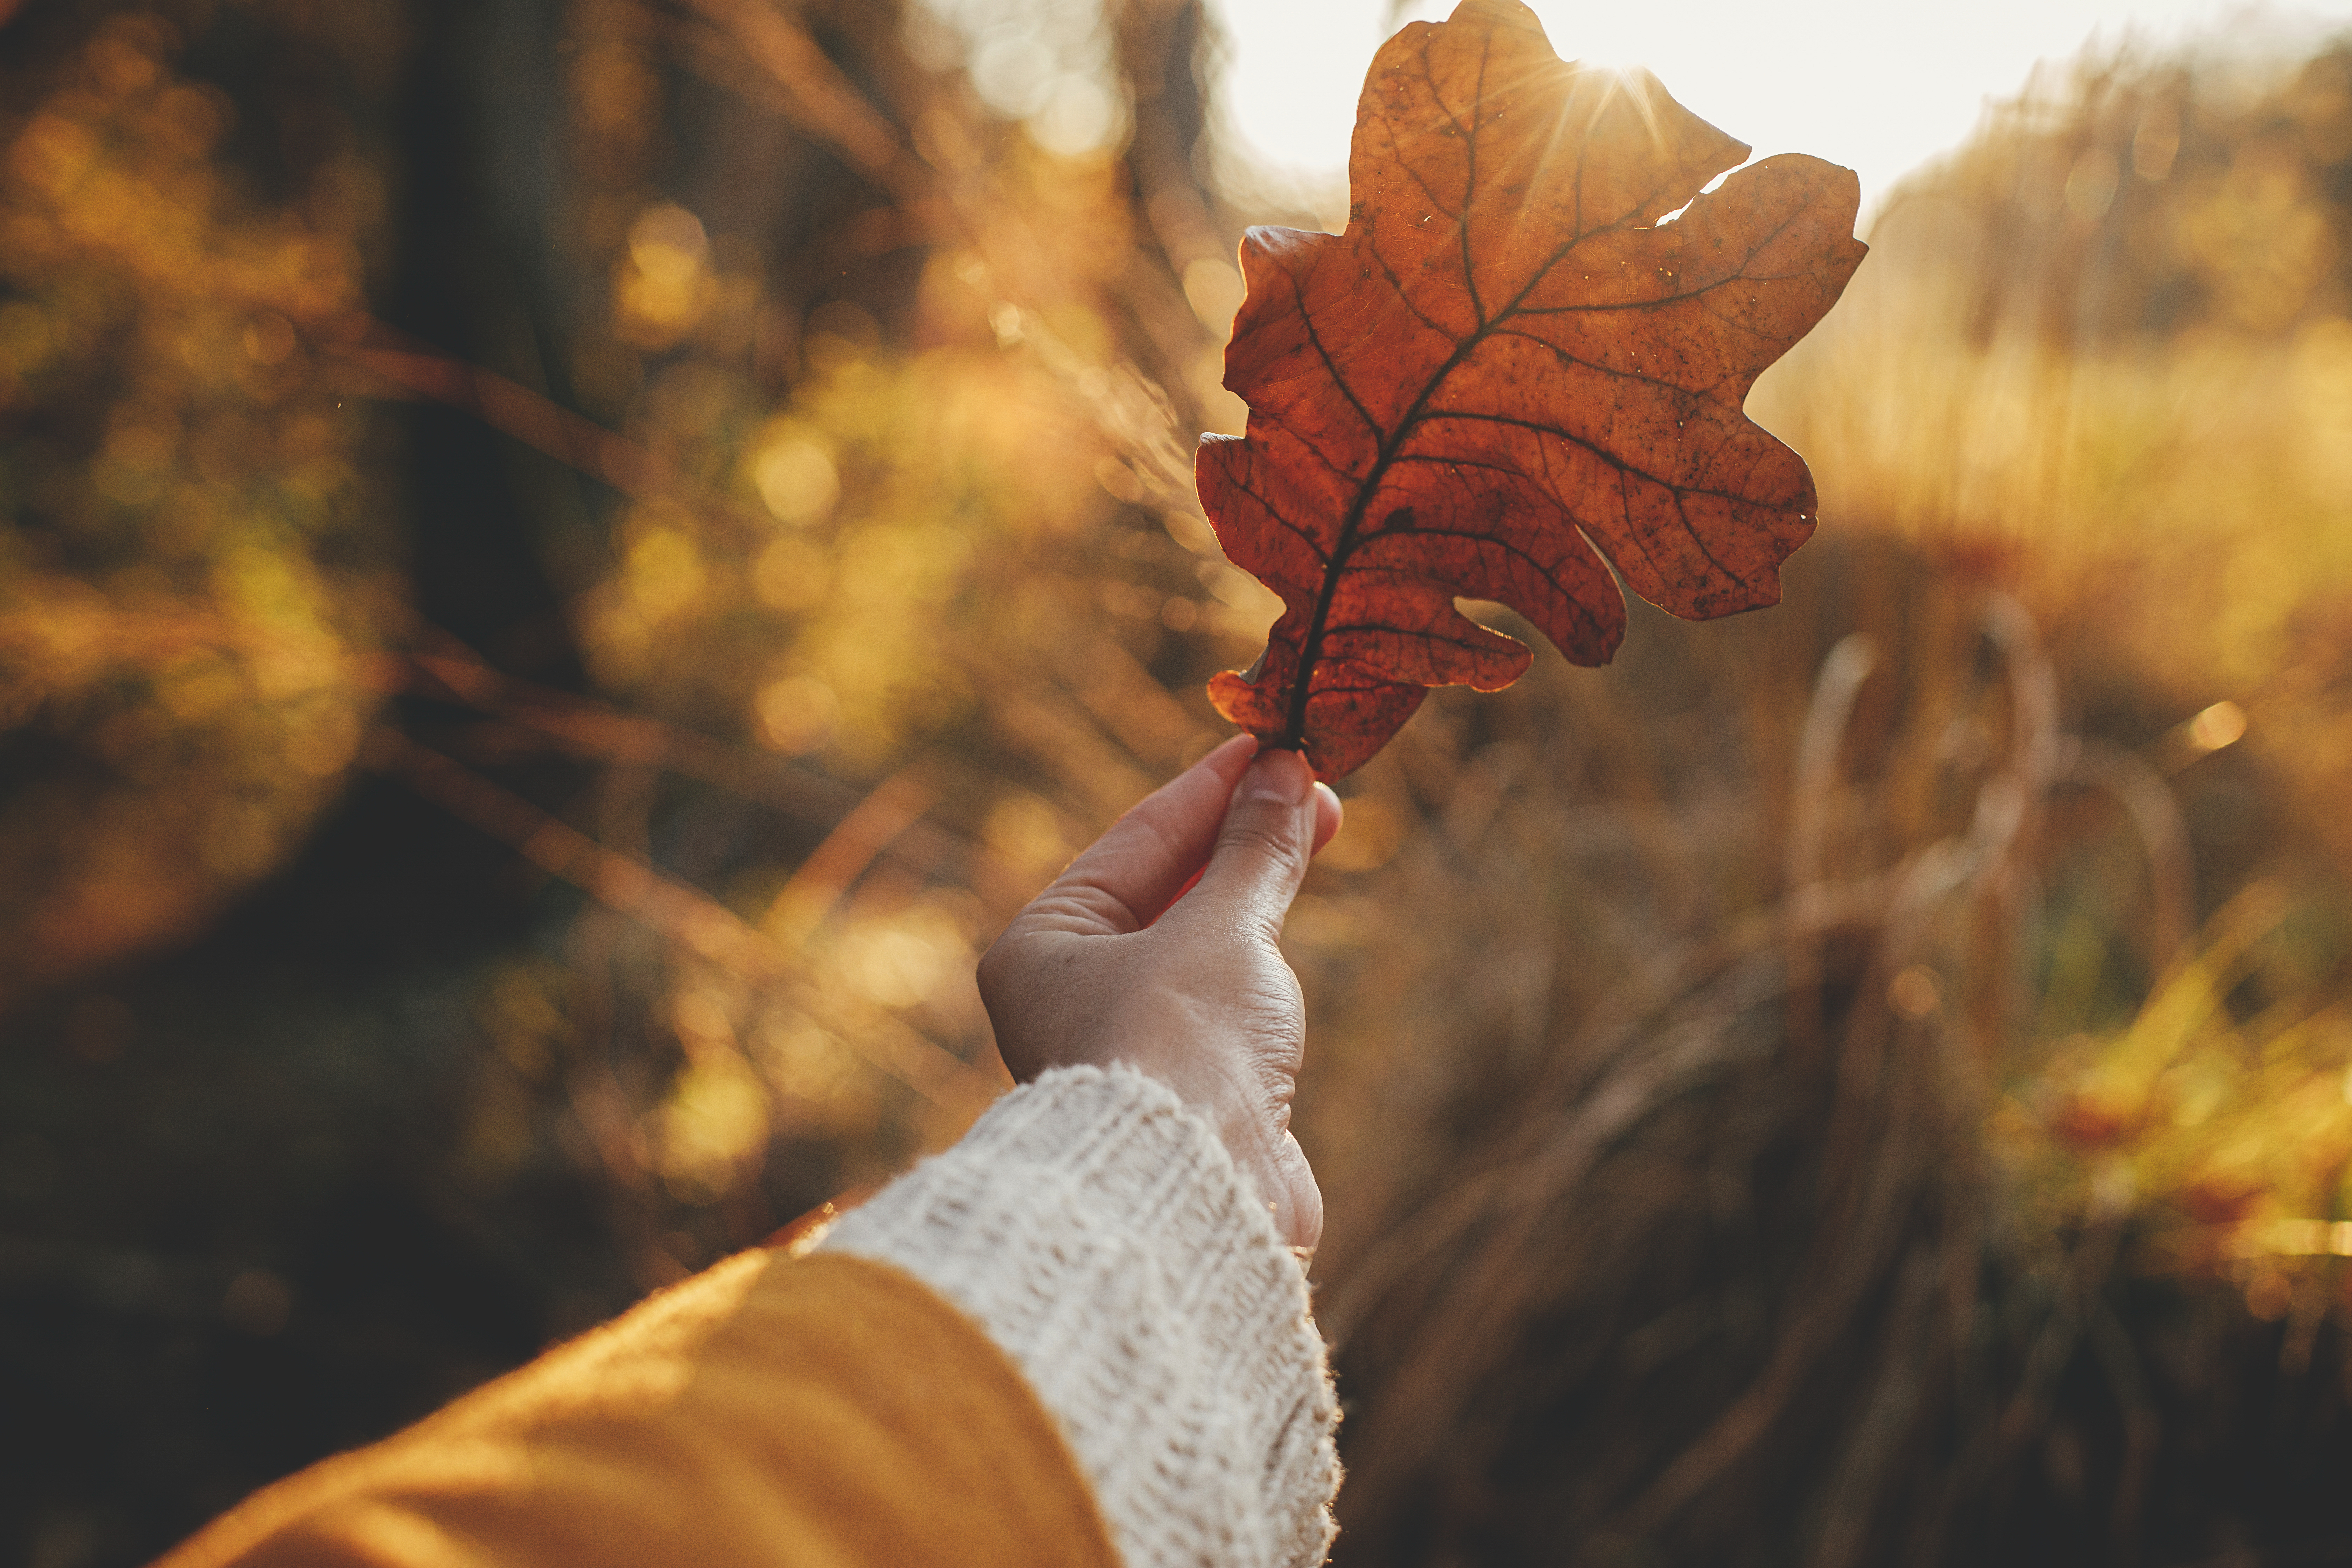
(1078, 1320)
(832, 1410)
(1099, 1232)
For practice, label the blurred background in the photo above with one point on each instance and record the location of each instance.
(565, 563)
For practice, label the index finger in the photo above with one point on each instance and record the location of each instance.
(1135, 870)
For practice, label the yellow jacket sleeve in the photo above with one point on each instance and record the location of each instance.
(831, 1412)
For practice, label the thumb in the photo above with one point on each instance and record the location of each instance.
(1264, 845)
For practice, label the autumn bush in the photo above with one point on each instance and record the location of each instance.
(527, 679)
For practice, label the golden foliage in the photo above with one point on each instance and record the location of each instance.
(185, 604)
(2102, 356)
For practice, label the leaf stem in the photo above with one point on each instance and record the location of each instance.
(1310, 646)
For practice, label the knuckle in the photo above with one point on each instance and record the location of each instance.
(1265, 840)
(1152, 815)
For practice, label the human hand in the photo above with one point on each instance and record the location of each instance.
(1124, 960)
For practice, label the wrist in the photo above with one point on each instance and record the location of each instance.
(1254, 1129)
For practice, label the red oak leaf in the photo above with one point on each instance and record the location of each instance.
(1530, 346)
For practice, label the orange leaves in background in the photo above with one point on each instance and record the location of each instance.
(1531, 344)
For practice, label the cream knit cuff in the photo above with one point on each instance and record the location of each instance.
(1101, 1233)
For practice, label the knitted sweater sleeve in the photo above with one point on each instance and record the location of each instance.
(1099, 1232)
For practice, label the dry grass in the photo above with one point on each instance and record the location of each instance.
(1891, 1050)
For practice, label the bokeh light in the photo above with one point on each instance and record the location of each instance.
(1877, 88)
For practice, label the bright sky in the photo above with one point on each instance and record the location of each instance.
(1877, 85)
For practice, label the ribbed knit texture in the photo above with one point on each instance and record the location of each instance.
(1102, 1234)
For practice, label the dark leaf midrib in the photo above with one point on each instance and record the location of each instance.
(1310, 647)
(1294, 727)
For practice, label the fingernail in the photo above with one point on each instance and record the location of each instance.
(1282, 776)
(1230, 744)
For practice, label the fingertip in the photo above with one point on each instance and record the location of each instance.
(1281, 777)
(1230, 757)
(1329, 815)
(1149, 858)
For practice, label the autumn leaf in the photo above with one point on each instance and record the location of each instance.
(1529, 351)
